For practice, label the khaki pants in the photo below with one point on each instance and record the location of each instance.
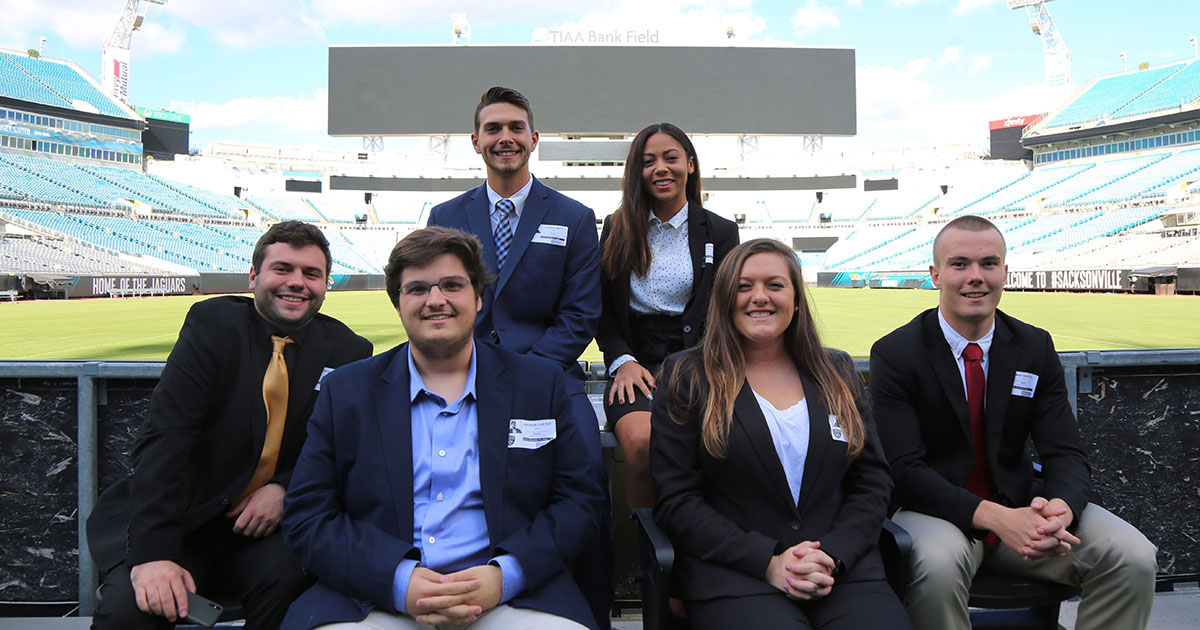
(502, 617)
(1114, 564)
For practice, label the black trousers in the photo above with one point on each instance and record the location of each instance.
(259, 572)
(849, 606)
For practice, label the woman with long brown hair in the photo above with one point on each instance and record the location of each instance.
(659, 252)
(768, 473)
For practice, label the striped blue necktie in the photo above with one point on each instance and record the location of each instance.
(504, 235)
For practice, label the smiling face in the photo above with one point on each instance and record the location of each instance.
(505, 139)
(970, 273)
(766, 299)
(665, 170)
(439, 324)
(290, 285)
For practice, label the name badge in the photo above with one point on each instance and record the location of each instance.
(531, 434)
(551, 234)
(835, 430)
(1024, 384)
(320, 378)
(708, 253)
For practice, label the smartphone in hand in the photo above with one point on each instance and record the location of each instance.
(201, 611)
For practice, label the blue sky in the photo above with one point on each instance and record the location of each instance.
(929, 71)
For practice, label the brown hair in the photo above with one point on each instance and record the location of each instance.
(970, 223)
(419, 248)
(295, 233)
(715, 373)
(499, 94)
(628, 241)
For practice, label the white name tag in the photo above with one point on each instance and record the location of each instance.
(708, 253)
(835, 431)
(322, 377)
(531, 433)
(551, 234)
(1024, 384)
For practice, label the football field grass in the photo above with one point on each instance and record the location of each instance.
(850, 319)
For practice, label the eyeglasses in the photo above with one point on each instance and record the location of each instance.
(449, 285)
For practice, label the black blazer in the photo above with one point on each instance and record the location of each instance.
(205, 426)
(728, 517)
(918, 396)
(705, 228)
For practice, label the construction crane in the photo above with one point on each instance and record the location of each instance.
(114, 65)
(1055, 53)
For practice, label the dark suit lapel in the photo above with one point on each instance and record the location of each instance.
(493, 387)
(531, 219)
(819, 439)
(941, 359)
(394, 414)
(698, 237)
(1002, 366)
(479, 218)
(748, 415)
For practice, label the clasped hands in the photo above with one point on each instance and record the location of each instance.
(803, 572)
(457, 598)
(1037, 531)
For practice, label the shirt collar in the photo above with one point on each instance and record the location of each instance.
(416, 385)
(958, 343)
(679, 219)
(518, 198)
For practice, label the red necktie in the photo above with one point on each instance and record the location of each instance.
(979, 482)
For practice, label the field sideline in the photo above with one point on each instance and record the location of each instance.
(850, 319)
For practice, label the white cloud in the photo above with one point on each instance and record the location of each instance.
(249, 24)
(70, 23)
(979, 63)
(154, 38)
(951, 56)
(813, 17)
(899, 105)
(304, 113)
(970, 6)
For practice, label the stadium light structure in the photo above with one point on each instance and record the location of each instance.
(1056, 55)
(114, 66)
(1124, 64)
(1195, 51)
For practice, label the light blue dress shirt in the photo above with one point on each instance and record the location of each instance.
(789, 431)
(518, 199)
(449, 524)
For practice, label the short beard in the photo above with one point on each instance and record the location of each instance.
(442, 350)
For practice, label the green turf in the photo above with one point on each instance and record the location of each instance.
(851, 319)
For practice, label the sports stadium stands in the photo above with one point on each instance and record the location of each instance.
(64, 85)
(285, 208)
(1109, 95)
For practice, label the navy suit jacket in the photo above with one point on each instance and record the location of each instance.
(919, 400)
(546, 300)
(348, 515)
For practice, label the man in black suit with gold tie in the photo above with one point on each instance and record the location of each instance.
(957, 394)
(221, 436)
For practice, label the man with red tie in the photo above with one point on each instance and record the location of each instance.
(957, 393)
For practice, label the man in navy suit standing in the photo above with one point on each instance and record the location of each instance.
(444, 481)
(543, 248)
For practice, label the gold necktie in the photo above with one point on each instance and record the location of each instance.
(275, 395)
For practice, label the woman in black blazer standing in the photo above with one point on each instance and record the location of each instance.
(659, 251)
(768, 473)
